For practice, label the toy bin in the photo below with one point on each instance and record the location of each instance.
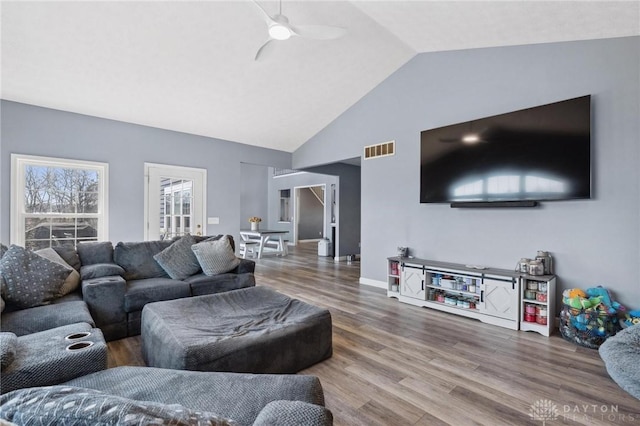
(587, 327)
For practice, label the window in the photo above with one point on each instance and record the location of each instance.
(285, 211)
(57, 202)
(175, 209)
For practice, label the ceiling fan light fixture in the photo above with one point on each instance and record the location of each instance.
(279, 32)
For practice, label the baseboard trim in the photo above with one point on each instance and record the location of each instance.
(373, 283)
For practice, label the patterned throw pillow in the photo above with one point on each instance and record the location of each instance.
(178, 260)
(66, 405)
(216, 257)
(30, 280)
(72, 281)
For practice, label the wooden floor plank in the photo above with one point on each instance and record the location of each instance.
(396, 364)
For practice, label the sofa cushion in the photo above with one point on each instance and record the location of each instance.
(216, 257)
(70, 255)
(99, 270)
(204, 284)
(178, 259)
(30, 280)
(136, 258)
(8, 343)
(95, 252)
(28, 321)
(73, 279)
(42, 358)
(141, 292)
(81, 406)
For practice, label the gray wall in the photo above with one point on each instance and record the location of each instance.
(254, 199)
(593, 241)
(126, 147)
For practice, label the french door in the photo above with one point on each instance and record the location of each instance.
(175, 200)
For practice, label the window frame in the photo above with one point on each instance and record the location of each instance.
(19, 162)
(287, 217)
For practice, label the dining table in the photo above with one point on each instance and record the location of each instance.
(262, 237)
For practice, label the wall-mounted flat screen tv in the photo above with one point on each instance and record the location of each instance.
(536, 154)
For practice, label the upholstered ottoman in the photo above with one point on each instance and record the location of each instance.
(252, 330)
(52, 356)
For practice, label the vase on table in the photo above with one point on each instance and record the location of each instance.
(254, 226)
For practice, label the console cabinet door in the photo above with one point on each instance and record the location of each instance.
(412, 283)
(499, 298)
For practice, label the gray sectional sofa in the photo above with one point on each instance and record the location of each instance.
(118, 281)
(112, 285)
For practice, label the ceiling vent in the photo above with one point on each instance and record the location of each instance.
(384, 149)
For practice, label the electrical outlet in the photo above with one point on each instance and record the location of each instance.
(213, 221)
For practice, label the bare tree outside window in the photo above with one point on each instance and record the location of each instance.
(60, 204)
(56, 191)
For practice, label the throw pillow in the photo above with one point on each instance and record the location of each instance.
(3, 250)
(63, 405)
(201, 238)
(178, 260)
(72, 281)
(216, 257)
(30, 280)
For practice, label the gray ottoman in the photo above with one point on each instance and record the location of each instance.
(252, 330)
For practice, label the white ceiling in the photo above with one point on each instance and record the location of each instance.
(189, 66)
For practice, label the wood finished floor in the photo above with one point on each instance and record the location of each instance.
(396, 364)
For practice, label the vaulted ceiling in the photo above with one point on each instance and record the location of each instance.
(189, 66)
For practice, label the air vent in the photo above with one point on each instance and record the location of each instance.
(380, 150)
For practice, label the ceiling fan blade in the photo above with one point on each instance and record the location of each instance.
(318, 32)
(268, 45)
(268, 18)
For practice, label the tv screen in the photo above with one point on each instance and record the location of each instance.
(536, 154)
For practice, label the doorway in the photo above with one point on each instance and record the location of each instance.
(310, 213)
(175, 200)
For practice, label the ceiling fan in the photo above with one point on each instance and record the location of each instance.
(280, 29)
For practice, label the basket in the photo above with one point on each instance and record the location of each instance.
(587, 327)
